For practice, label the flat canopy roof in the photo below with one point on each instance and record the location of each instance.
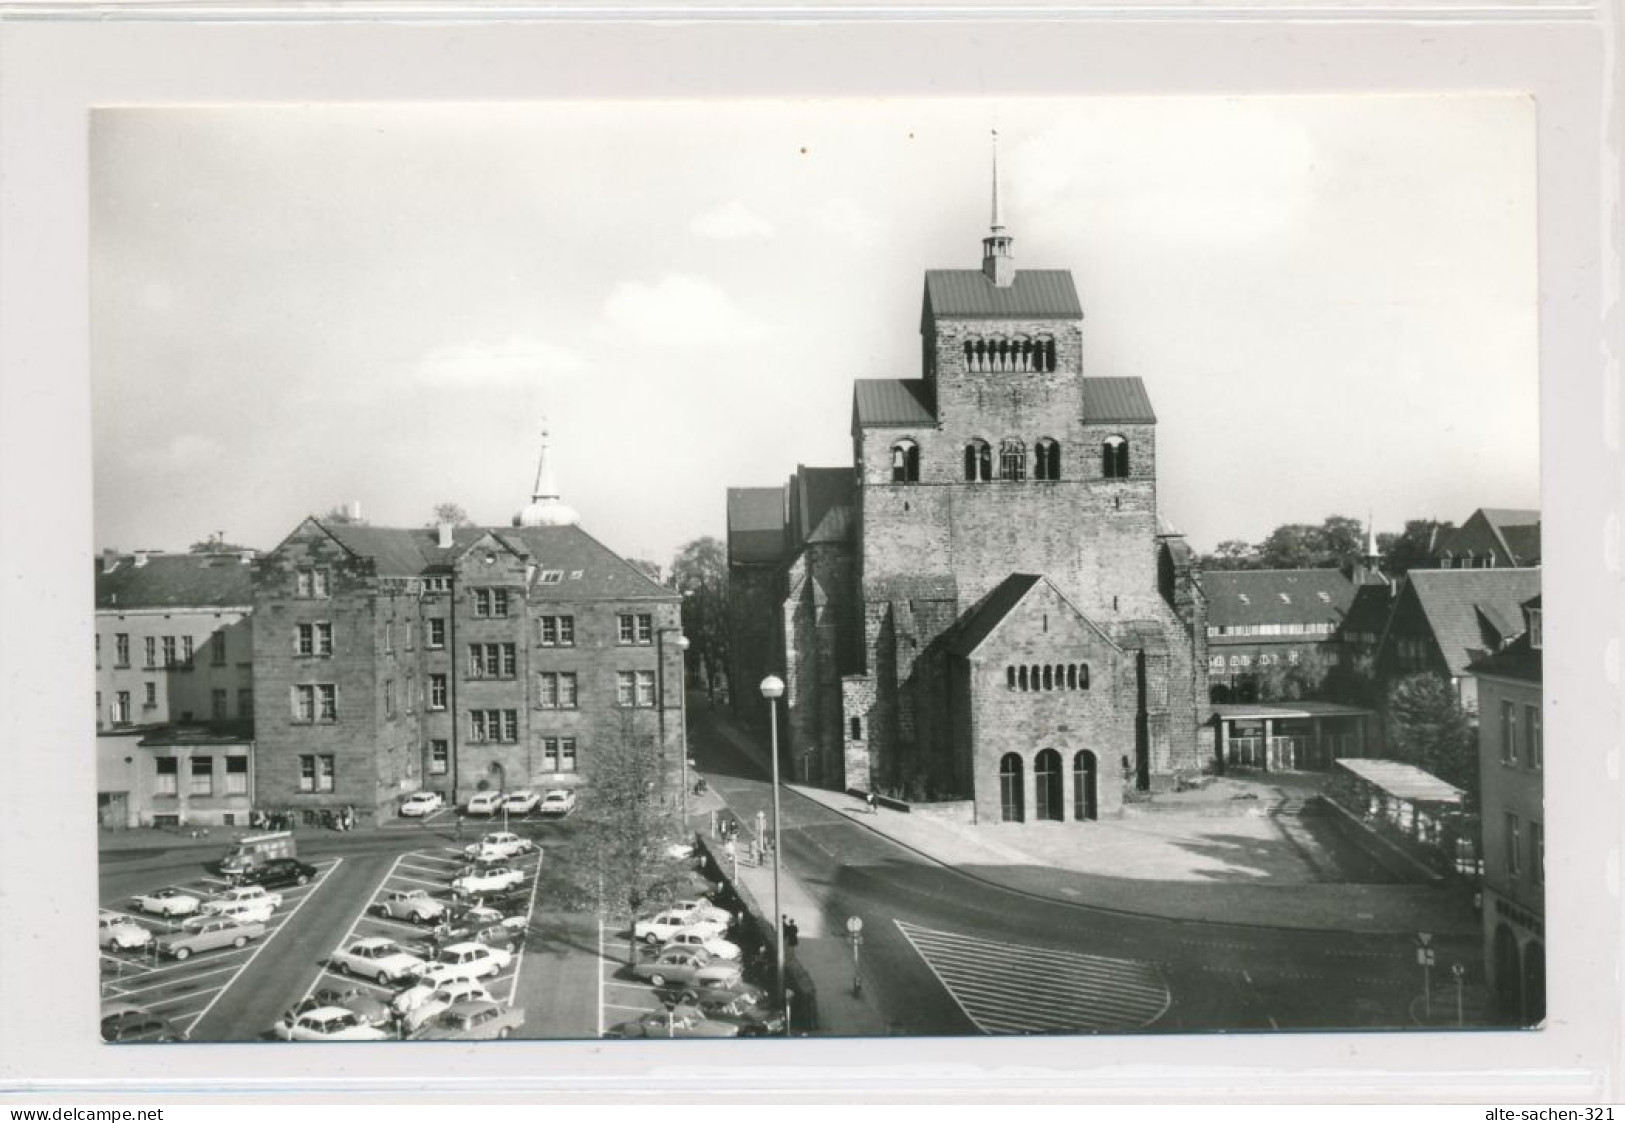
(1229, 711)
(1402, 781)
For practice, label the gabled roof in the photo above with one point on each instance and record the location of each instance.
(968, 294)
(1277, 596)
(175, 581)
(1451, 599)
(891, 403)
(395, 551)
(836, 526)
(814, 493)
(1519, 659)
(1121, 400)
(972, 629)
(1368, 613)
(756, 529)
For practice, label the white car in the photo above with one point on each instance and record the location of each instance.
(169, 902)
(558, 802)
(660, 928)
(493, 880)
(382, 960)
(327, 1023)
(498, 845)
(521, 803)
(419, 804)
(484, 803)
(701, 938)
(409, 904)
(702, 910)
(466, 960)
(417, 1004)
(244, 894)
(120, 932)
(243, 912)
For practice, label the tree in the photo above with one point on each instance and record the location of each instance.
(1292, 682)
(700, 570)
(451, 514)
(1232, 553)
(216, 544)
(1428, 728)
(1412, 549)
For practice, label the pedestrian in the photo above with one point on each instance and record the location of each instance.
(874, 803)
(459, 826)
(792, 934)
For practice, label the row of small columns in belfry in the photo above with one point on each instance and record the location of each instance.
(984, 356)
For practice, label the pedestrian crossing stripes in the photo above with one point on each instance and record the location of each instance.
(1009, 988)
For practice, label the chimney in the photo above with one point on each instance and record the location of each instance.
(355, 510)
(445, 535)
(246, 557)
(140, 558)
(110, 560)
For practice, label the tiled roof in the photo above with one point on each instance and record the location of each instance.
(175, 581)
(978, 623)
(814, 493)
(1450, 599)
(1277, 596)
(1123, 400)
(892, 402)
(398, 552)
(1519, 659)
(756, 528)
(1504, 517)
(1368, 614)
(1523, 543)
(968, 294)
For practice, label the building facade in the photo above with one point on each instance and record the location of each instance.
(455, 660)
(1512, 762)
(994, 543)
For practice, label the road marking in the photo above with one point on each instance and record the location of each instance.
(523, 941)
(1010, 988)
(169, 981)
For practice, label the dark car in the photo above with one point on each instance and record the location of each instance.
(125, 1021)
(743, 1006)
(675, 1021)
(279, 871)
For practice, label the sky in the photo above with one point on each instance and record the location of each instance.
(1331, 300)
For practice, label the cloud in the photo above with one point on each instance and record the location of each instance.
(184, 453)
(730, 222)
(850, 220)
(514, 360)
(679, 310)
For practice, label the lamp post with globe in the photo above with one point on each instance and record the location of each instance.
(773, 690)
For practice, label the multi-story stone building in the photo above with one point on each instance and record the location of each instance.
(986, 602)
(174, 688)
(455, 659)
(1512, 762)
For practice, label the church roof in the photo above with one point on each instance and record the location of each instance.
(977, 624)
(1122, 400)
(755, 524)
(969, 294)
(814, 494)
(892, 402)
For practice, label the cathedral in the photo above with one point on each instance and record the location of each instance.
(984, 610)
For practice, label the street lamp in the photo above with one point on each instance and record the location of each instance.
(773, 690)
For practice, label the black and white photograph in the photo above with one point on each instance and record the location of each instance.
(826, 568)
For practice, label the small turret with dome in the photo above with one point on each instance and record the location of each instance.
(546, 508)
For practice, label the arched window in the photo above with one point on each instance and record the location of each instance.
(1049, 678)
(1071, 676)
(905, 462)
(1023, 678)
(857, 728)
(1047, 359)
(978, 461)
(1114, 458)
(1012, 460)
(1010, 677)
(1083, 676)
(1085, 803)
(1048, 782)
(1047, 460)
(1012, 802)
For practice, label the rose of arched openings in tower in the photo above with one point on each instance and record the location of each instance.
(1114, 458)
(1047, 459)
(905, 462)
(978, 461)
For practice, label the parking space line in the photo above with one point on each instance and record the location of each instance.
(169, 981)
(416, 880)
(524, 939)
(349, 935)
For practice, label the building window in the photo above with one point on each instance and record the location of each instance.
(149, 695)
(315, 702)
(150, 649)
(217, 650)
(316, 773)
(437, 631)
(1012, 459)
(439, 756)
(310, 582)
(411, 635)
(121, 649)
(236, 775)
(491, 660)
(389, 638)
(558, 690)
(558, 631)
(639, 628)
(1514, 845)
(437, 692)
(1114, 458)
(1536, 750)
(121, 708)
(855, 728)
(389, 697)
(1537, 854)
(646, 688)
(493, 725)
(491, 603)
(905, 462)
(978, 461)
(1509, 734)
(1536, 629)
(186, 652)
(169, 651)
(98, 653)
(625, 685)
(558, 754)
(1047, 460)
(245, 702)
(218, 703)
(167, 781)
(313, 639)
(202, 776)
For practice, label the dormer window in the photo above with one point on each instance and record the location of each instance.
(978, 461)
(905, 462)
(1114, 458)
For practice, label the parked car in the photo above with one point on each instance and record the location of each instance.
(686, 967)
(209, 933)
(244, 894)
(327, 1023)
(370, 1009)
(410, 904)
(420, 804)
(558, 803)
(471, 1021)
(660, 928)
(498, 846)
(381, 960)
(125, 1021)
(279, 871)
(520, 802)
(702, 938)
(121, 933)
(419, 1003)
(484, 803)
(169, 902)
(702, 911)
(467, 960)
(492, 880)
(744, 1006)
(676, 1021)
(243, 912)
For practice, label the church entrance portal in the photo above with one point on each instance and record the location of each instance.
(1048, 779)
(1011, 804)
(1085, 799)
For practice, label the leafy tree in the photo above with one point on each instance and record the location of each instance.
(1232, 553)
(1353, 682)
(1428, 728)
(216, 544)
(1342, 541)
(650, 569)
(700, 570)
(1412, 548)
(450, 513)
(1292, 682)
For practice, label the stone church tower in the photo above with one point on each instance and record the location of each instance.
(988, 608)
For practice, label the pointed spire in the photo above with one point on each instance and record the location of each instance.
(1370, 536)
(546, 508)
(545, 487)
(997, 264)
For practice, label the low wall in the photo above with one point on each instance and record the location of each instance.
(947, 811)
(1385, 852)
